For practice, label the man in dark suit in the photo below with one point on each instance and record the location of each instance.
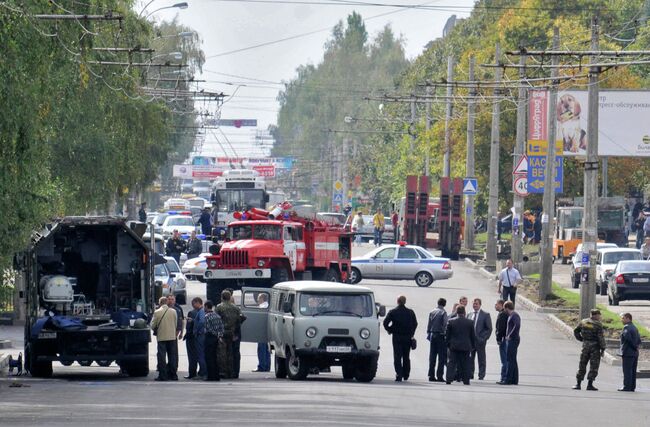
(500, 332)
(483, 330)
(401, 324)
(629, 352)
(461, 340)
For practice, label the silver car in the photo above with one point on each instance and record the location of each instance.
(401, 262)
(194, 268)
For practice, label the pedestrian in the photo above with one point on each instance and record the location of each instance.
(436, 329)
(175, 246)
(163, 326)
(509, 278)
(205, 221)
(214, 330)
(483, 330)
(194, 246)
(180, 320)
(513, 326)
(231, 316)
(394, 219)
(462, 301)
(461, 340)
(142, 213)
(537, 228)
(629, 352)
(646, 225)
(590, 333)
(401, 323)
(645, 249)
(379, 225)
(263, 351)
(357, 224)
(639, 223)
(195, 340)
(500, 331)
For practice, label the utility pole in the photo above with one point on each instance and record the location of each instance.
(493, 199)
(548, 201)
(427, 149)
(468, 236)
(412, 146)
(604, 192)
(520, 148)
(590, 231)
(446, 172)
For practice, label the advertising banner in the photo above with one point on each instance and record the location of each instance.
(265, 171)
(182, 171)
(571, 113)
(624, 123)
(207, 171)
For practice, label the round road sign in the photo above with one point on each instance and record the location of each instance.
(520, 186)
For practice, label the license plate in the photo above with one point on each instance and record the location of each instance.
(338, 349)
(47, 335)
(640, 280)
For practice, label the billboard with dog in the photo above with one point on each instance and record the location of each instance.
(623, 128)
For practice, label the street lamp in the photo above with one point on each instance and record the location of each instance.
(182, 5)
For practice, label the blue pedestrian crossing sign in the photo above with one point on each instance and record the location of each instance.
(470, 186)
(338, 198)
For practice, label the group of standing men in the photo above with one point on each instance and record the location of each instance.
(456, 340)
(212, 337)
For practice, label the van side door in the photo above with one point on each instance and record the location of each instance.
(254, 305)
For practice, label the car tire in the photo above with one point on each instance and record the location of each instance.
(366, 370)
(423, 279)
(332, 275)
(280, 367)
(36, 369)
(138, 368)
(297, 367)
(349, 371)
(279, 275)
(355, 276)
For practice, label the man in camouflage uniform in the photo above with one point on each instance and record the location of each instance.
(231, 316)
(590, 332)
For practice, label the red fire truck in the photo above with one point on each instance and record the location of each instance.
(263, 248)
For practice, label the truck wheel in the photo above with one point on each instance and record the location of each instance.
(423, 279)
(36, 369)
(138, 368)
(366, 370)
(348, 371)
(213, 289)
(355, 276)
(280, 367)
(297, 367)
(279, 275)
(332, 275)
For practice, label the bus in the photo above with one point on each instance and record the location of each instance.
(236, 190)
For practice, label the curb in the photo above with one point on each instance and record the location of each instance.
(4, 362)
(6, 344)
(487, 274)
(532, 306)
(471, 263)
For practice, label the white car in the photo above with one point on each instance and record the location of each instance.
(194, 268)
(401, 262)
(576, 262)
(607, 260)
(179, 281)
(183, 223)
(163, 278)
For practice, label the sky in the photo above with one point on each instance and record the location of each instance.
(252, 76)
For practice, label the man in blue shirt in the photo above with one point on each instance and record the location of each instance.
(629, 352)
(195, 340)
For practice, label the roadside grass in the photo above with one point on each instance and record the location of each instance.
(481, 238)
(570, 301)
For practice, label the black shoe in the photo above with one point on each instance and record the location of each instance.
(625, 389)
(161, 379)
(502, 383)
(406, 378)
(431, 379)
(189, 377)
(398, 379)
(590, 386)
(481, 378)
(577, 386)
(173, 379)
(441, 380)
(466, 383)
(448, 382)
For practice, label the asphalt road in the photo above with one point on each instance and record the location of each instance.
(548, 360)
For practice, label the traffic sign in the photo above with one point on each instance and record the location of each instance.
(337, 198)
(338, 186)
(537, 173)
(520, 186)
(522, 166)
(585, 258)
(470, 186)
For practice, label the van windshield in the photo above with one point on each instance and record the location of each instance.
(322, 304)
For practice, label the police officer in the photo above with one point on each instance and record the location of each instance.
(175, 246)
(231, 316)
(590, 332)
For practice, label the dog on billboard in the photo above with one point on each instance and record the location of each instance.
(574, 137)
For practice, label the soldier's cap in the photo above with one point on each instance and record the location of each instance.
(595, 312)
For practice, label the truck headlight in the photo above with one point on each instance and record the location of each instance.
(311, 332)
(364, 333)
(260, 263)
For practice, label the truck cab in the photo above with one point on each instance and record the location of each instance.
(313, 325)
(87, 287)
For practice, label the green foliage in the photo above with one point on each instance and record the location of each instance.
(74, 134)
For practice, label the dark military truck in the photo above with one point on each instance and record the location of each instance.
(88, 291)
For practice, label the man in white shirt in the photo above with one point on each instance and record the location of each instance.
(509, 278)
(263, 352)
(357, 223)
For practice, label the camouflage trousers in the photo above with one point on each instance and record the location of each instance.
(590, 353)
(224, 356)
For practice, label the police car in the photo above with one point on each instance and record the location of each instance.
(401, 262)
(181, 221)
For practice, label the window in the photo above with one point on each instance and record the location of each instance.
(184, 221)
(161, 270)
(614, 257)
(388, 253)
(267, 232)
(424, 254)
(407, 253)
(321, 304)
(255, 299)
(288, 233)
(172, 266)
(239, 232)
(281, 300)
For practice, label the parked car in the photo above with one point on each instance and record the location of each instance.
(194, 268)
(367, 231)
(163, 279)
(183, 223)
(607, 260)
(630, 280)
(505, 224)
(158, 221)
(576, 262)
(401, 262)
(179, 282)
